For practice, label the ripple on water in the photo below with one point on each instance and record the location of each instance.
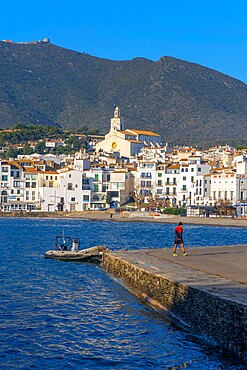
(74, 316)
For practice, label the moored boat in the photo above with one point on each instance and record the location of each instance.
(67, 249)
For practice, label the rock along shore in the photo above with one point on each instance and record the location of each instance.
(206, 290)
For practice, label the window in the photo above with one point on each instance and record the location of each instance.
(159, 182)
(192, 169)
(16, 184)
(149, 184)
(51, 177)
(192, 178)
(186, 169)
(96, 177)
(72, 199)
(206, 181)
(33, 195)
(159, 174)
(182, 170)
(69, 186)
(27, 195)
(69, 176)
(184, 178)
(4, 177)
(174, 191)
(50, 184)
(85, 198)
(104, 188)
(55, 177)
(199, 169)
(27, 184)
(108, 178)
(184, 187)
(96, 188)
(167, 180)
(4, 169)
(142, 184)
(18, 191)
(46, 177)
(174, 181)
(159, 191)
(33, 184)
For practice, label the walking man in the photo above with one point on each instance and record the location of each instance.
(179, 240)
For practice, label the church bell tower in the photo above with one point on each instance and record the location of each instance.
(117, 121)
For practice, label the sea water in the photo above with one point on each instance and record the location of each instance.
(60, 315)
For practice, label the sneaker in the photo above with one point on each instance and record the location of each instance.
(175, 255)
(185, 254)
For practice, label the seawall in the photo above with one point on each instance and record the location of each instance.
(213, 305)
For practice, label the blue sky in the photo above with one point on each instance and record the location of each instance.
(212, 33)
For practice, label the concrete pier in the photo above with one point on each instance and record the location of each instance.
(207, 289)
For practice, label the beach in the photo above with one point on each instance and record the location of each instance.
(109, 215)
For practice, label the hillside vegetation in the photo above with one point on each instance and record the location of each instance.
(184, 102)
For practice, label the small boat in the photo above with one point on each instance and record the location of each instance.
(67, 249)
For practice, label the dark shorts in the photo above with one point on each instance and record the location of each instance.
(178, 241)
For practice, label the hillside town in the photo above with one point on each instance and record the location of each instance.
(127, 169)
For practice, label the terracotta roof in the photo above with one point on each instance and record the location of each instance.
(174, 166)
(134, 141)
(30, 169)
(14, 163)
(48, 172)
(141, 132)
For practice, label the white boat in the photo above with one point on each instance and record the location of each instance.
(67, 249)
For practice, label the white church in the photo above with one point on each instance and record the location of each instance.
(127, 142)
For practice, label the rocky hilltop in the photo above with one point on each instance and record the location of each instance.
(185, 102)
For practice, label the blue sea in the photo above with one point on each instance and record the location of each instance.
(60, 315)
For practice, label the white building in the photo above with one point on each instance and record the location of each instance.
(127, 143)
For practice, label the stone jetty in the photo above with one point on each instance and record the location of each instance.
(206, 290)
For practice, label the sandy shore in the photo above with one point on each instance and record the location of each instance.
(135, 217)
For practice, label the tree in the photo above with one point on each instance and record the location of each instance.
(27, 150)
(40, 147)
(223, 207)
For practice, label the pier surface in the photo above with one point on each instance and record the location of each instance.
(207, 289)
(218, 270)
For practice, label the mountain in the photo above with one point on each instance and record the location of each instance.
(184, 102)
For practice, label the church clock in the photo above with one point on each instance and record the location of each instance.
(114, 145)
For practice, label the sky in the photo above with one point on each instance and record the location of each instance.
(212, 33)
